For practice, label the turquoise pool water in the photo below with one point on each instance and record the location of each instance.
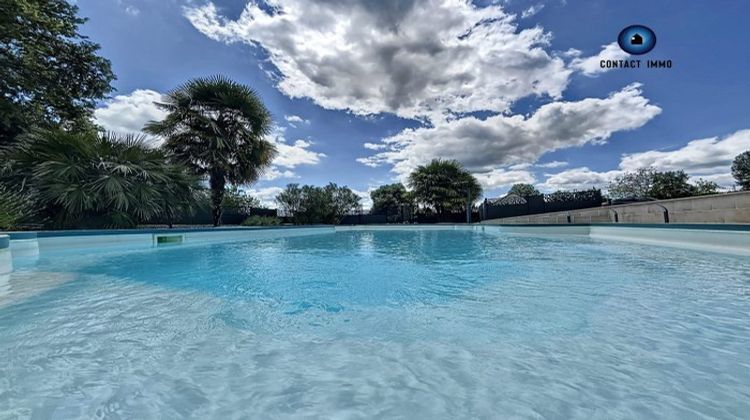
(389, 324)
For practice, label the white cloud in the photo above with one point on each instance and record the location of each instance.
(126, 114)
(296, 154)
(267, 196)
(290, 156)
(590, 66)
(433, 61)
(699, 157)
(365, 199)
(553, 164)
(501, 141)
(415, 59)
(293, 120)
(500, 178)
(578, 179)
(531, 11)
(132, 10)
(710, 159)
(274, 173)
(374, 146)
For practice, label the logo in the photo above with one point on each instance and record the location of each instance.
(637, 39)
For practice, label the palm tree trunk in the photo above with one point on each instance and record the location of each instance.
(217, 183)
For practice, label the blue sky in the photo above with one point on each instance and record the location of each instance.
(361, 94)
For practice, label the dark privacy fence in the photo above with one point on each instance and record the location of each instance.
(370, 219)
(229, 217)
(544, 203)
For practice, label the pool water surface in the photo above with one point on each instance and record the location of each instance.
(391, 324)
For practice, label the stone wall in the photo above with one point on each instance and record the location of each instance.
(720, 208)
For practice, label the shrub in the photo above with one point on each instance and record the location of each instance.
(261, 221)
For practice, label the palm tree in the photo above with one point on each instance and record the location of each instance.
(444, 185)
(89, 179)
(217, 127)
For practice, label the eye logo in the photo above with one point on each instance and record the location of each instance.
(637, 39)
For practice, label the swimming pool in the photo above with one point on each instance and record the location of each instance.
(438, 323)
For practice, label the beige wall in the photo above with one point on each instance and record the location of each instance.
(720, 208)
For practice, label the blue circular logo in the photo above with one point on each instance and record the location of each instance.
(637, 39)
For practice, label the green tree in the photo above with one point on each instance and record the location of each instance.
(51, 74)
(218, 128)
(741, 170)
(524, 190)
(92, 180)
(670, 184)
(290, 200)
(703, 187)
(310, 204)
(239, 201)
(632, 185)
(443, 186)
(390, 199)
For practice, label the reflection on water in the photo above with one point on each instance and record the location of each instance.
(441, 324)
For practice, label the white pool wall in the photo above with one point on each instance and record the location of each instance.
(6, 264)
(735, 242)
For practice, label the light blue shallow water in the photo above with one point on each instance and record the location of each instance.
(396, 324)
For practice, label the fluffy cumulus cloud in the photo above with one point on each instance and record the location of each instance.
(591, 66)
(439, 62)
(290, 156)
(504, 178)
(483, 145)
(125, 114)
(710, 159)
(413, 58)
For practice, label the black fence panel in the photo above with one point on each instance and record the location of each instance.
(363, 219)
(548, 203)
(446, 218)
(204, 217)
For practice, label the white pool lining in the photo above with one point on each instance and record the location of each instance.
(735, 242)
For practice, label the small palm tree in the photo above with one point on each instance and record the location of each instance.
(217, 127)
(92, 180)
(444, 186)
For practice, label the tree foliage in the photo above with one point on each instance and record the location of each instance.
(523, 190)
(670, 184)
(390, 199)
(648, 183)
(443, 186)
(92, 180)
(632, 185)
(218, 128)
(15, 209)
(704, 187)
(51, 74)
(594, 195)
(257, 220)
(741, 170)
(239, 201)
(309, 204)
